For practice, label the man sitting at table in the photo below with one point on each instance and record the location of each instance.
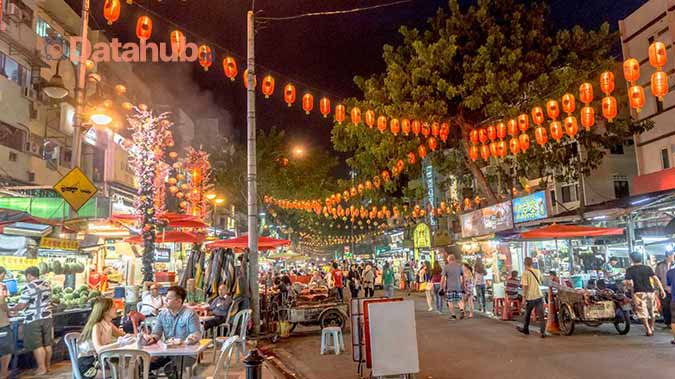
(194, 295)
(219, 307)
(176, 321)
(151, 302)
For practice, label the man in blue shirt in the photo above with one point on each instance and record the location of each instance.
(670, 279)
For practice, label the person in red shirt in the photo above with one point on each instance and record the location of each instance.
(336, 274)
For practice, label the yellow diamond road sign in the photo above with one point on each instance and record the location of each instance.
(75, 188)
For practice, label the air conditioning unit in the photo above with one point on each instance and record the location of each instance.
(14, 13)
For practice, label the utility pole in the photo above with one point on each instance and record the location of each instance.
(251, 160)
(76, 156)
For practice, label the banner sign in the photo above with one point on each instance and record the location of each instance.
(487, 220)
(531, 207)
(59, 244)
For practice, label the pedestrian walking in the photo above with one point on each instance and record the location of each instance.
(451, 281)
(425, 278)
(662, 269)
(368, 280)
(336, 276)
(436, 284)
(354, 281)
(534, 299)
(467, 275)
(388, 280)
(639, 278)
(409, 275)
(479, 273)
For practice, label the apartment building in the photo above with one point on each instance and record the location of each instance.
(654, 149)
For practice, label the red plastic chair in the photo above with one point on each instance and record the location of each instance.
(136, 319)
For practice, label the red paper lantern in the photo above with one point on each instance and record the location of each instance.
(473, 152)
(426, 129)
(659, 84)
(382, 124)
(537, 116)
(411, 158)
(657, 55)
(385, 175)
(552, 109)
(339, 113)
(177, 39)
(501, 148)
(524, 142)
(432, 143)
(607, 82)
(491, 132)
(405, 126)
(355, 115)
(111, 10)
(586, 93)
(485, 152)
(205, 56)
(473, 136)
(482, 135)
(556, 129)
(255, 80)
(513, 146)
(370, 118)
(416, 127)
(445, 131)
(501, 130)
(435, 129)
(568, 103)
(494, 149)
(307, 102)
(631, 70)
(422, 151)
(540, 135)
(289, 94)
(230, 68)
(144, 28)
(512, 127)
(609, 108)
(324, 106)
(394, 126)
(587, 117)
(571, 126)
(268, 86)
(636, 97)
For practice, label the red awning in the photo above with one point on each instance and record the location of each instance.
(170, 236)
(264, 243)
(175, 220)
(556, 231)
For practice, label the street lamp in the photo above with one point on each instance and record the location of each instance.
(211, 196)
(298, 152)
(216, 202)
(55, 87)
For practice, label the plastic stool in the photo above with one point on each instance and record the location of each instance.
(334, 333)
(498, 305)
(515, 305)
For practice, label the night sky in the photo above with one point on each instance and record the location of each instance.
(321, 54)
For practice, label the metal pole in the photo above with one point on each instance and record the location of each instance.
(79, 92)
(252, 191)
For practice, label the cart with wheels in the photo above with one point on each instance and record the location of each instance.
(574, 307)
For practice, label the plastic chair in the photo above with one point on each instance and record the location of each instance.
(334, 333)
(224, 359)
(72, 340)
(126, 364)
(238, 327)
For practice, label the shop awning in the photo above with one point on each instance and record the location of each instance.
(264, 243)
(174, 220)
(170, 236)
(556, 231)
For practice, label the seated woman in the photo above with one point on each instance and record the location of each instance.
(512, 286)
(99, 334)
(219, 307)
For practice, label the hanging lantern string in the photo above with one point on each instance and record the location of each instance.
(332, 13)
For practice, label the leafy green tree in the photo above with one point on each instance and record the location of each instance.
(474, 65)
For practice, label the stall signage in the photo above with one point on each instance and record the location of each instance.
(531, 207)
(162, 255)
(422, 236)
(487, 220)
(59, 244)
(17, 263)
(75, 188)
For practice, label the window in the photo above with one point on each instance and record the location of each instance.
(553, 197)
(44, 30)
(27, 18)
(621, 189)
(569, 193)
(14, 71)
(665, 159)
(12, 137)
(616, 149)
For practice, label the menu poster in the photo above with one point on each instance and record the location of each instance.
(531, 207)
(487, 220)
(162, 255)
(472, 224)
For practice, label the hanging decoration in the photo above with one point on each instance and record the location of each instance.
(198, 169)
(324, 106)
(658, 58)
(268, 86)
(177, 39)
(144, 28)
(608, 103)
(289, 94)
(255, 80)
(307, 102)
(111, 10)
(587, 112)
(339, 113)
(230, 68)
(205, 57)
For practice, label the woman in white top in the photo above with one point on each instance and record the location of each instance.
(99, 334)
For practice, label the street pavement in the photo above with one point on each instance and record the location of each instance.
(486, 348)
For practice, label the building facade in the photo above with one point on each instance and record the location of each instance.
(654, 149)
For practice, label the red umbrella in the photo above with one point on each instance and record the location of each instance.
(175, 220)
(570, 231)
(264, 243)
(170, 236)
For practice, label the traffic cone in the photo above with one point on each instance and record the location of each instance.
(552, 326)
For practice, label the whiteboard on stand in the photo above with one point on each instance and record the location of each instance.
(393, 338)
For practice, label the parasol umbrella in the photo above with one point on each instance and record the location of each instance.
(176, 220)
(556, 231)
(264, 243)
(170, 236)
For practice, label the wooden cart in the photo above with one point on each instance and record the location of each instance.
(574, 308)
